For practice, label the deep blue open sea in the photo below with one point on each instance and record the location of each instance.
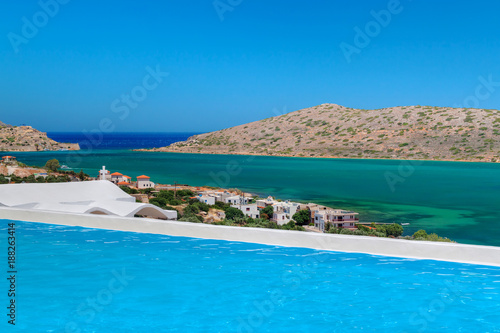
(119, 140)
(457, 200)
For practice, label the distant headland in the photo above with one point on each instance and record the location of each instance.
(26, 138)
(334, 131)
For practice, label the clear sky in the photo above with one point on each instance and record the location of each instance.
(236, 61)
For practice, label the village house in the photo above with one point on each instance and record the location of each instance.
(236, 200)
(284, 211)
(336, 217)
(263, 203)
(249, 210)
(125, 181)
(9, 159)
(144, 182)
(221, 196)
(208, 199)
(116, 177)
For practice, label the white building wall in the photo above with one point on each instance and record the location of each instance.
(209, 200)
(142, 184)
(249, 210)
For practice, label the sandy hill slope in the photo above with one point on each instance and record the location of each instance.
(26, 138)
(330, 130)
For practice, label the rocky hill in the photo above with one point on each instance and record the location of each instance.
(26, 138)
(330, 130)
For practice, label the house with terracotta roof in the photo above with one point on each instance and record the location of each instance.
(9, 159)
(144, 182)
(116, 177)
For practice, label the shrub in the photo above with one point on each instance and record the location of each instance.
(184, 193)
(191, 210)
(222, 205)
(128, 190)
(191, 218)
(421, 234)
(160, 202)
(394, 229)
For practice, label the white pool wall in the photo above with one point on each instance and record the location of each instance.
(463, 253)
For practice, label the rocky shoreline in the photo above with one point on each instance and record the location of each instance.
(333, 131)
(28, 139)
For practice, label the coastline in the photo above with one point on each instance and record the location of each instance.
(41, 151)
(155, 150)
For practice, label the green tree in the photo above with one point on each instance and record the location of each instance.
(52, 165)
(302, 217)
(268, 211)
(234, 213)
(160, 202)
(82, 176)
(3, 180)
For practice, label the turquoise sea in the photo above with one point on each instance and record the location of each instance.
(454, 199)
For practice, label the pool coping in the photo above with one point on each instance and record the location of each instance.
(454, 252)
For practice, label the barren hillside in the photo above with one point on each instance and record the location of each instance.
(26, 138)
(329, 130)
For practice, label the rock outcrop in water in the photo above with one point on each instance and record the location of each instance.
(26, 138)
(330, 130)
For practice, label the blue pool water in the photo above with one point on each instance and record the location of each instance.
(74, 279)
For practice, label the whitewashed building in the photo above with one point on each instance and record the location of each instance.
(284, 211)
(221, 196)
(208, 199)
(249, 210)
(263, 203)
(336, 217)
(236, 200)
(144, 182)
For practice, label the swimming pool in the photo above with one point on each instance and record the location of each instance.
(72, 279)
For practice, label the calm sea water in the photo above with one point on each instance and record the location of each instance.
(457, 200)
(85, 280)
(93, 141)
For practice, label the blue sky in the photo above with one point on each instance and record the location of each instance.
(240, 61)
